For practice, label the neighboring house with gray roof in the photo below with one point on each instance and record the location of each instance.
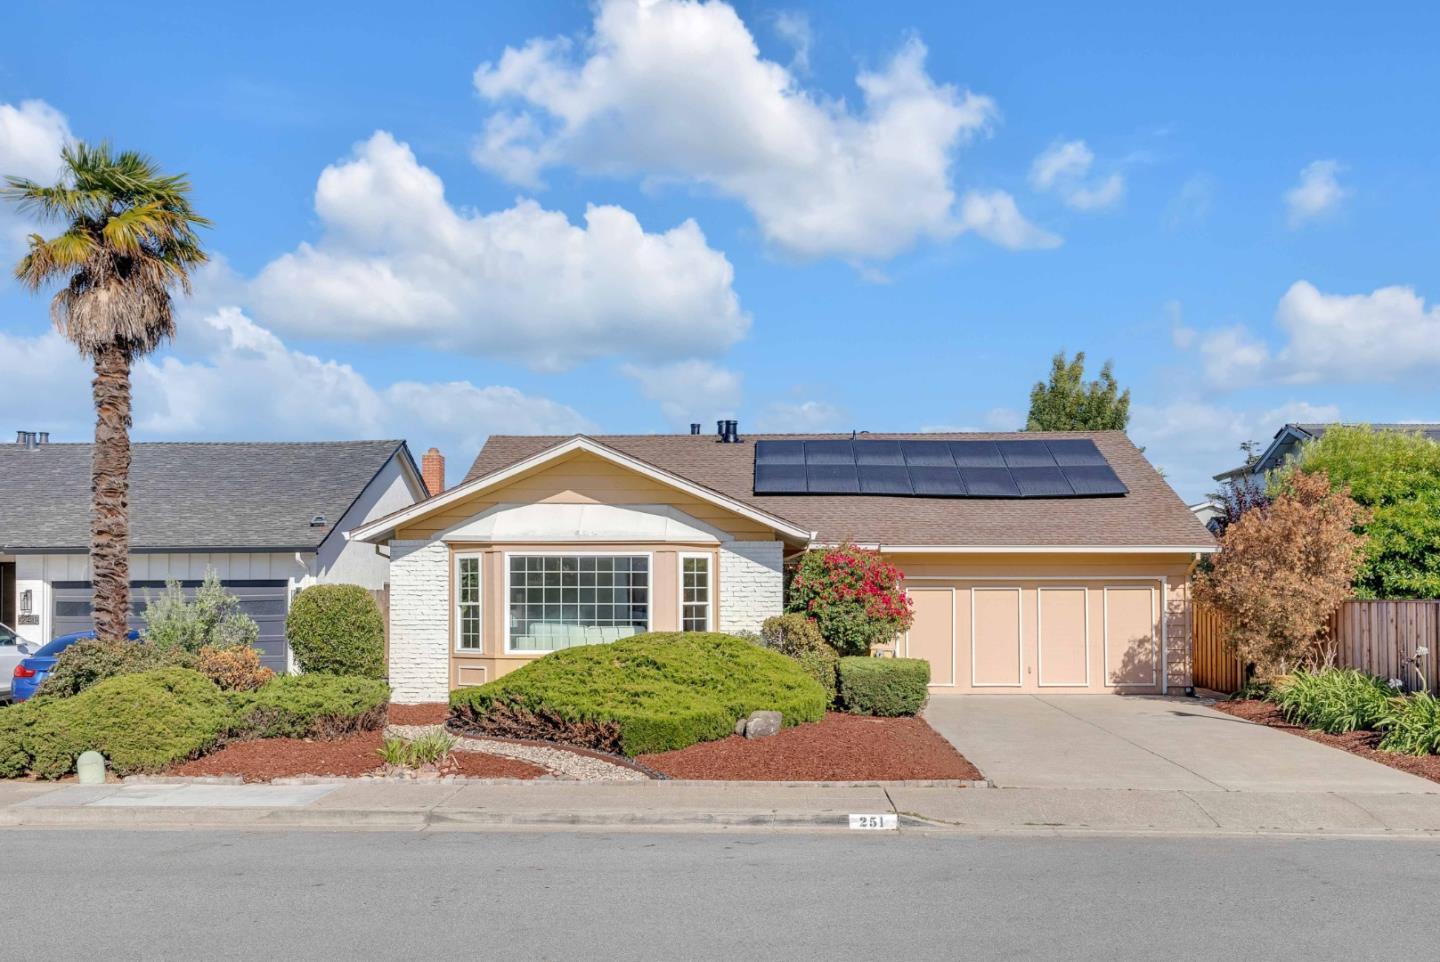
(1288, 440)
(268, 517)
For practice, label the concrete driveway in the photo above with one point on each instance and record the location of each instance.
(1138, 742)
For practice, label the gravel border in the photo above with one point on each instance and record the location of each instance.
(563, 764)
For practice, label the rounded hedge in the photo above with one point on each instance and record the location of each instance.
(886, 687)
(649, 693)
(337, 630)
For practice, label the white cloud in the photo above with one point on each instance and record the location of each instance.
(31, 136)
(800, 417)
(1063, 168)
(396, 261)
(995, 217)
(1194, 440)
(1386, 335)
(1192, 202)
(228, 378)
(678, 90)
(1318, 193)
(688, 391)
(794, 28)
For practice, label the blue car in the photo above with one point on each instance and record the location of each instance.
(34, 669)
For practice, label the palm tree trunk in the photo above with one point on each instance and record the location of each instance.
(110, 491)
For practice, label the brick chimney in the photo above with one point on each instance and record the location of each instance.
(432, 469)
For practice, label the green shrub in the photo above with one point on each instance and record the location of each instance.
(212, 618)
(310, 706)
(798, 636)
(886, 687)
(1411, 725)
(93, 660)
(648, 693)
(141, 723)
(337, 630)
(1334, 700)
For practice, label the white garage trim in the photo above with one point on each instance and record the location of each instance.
(1153, 667)
(1040, 635)
(1019, 640)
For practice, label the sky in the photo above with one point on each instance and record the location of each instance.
(448, 220)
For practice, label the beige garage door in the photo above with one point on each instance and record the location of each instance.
(1042, 636)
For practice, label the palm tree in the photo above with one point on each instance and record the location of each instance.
(129, 237)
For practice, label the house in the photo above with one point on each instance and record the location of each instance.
(269, 518)
(1036, 561)
(1287, 442)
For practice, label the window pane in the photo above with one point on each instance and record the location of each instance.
(560, 601)
(467, 600)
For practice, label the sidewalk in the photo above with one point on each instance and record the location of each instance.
(710, 806)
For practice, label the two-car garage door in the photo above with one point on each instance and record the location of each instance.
(1038, 636)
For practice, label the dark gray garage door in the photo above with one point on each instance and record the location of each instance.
(264, 601)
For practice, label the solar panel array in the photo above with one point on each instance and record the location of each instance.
(1062, 468)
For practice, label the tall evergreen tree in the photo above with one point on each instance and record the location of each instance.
(1068, 403)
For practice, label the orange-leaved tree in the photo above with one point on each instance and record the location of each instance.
(1282, 569)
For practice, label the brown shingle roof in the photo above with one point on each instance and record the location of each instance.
(1151, 514)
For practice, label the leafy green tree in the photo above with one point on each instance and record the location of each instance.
(1068, 403)
(1396, 475)
(128, 238)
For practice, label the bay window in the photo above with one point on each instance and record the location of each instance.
(564, 600)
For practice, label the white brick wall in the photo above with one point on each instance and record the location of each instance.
(752, 584)
(419, 621)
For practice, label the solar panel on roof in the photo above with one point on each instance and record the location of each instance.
(1072, 452)
(780, 479)
(1094, 480)
(1025, 454)
(976, 454)
(779, 452)
(936, 482)
(832, 479)
(1041, 483)
(879, 452)
(934, 454)
(1019, 468)
(884, 479)
(989, 483)
(829, 452)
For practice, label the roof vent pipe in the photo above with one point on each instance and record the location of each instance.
(694, 427)
(720, 431)
(43, 437)
(732, 429)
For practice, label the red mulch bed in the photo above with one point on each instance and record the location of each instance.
(1357, 743)
(269, 758)
(431, 713)
(838, 748)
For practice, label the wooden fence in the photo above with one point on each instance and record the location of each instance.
(382, 598)
(1377, 637)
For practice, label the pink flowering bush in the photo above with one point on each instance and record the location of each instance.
(854, 596)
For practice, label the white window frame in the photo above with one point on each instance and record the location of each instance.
(649, 587)
(479, 603)
(709, 589)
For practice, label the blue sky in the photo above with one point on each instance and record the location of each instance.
(458, 219)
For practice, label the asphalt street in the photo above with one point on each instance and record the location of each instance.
(213, 895)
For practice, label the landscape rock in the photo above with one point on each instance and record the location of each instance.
(762, 723)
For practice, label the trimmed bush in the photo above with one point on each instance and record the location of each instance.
(885, 687)
(93, 660)
(141, 723)
(798, 637)
(337, 630)
(649, 693)
(1412, 725)
(1334, 700)
(310, 706)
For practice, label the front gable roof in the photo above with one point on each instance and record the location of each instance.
(557, 449)
(1150, 517)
